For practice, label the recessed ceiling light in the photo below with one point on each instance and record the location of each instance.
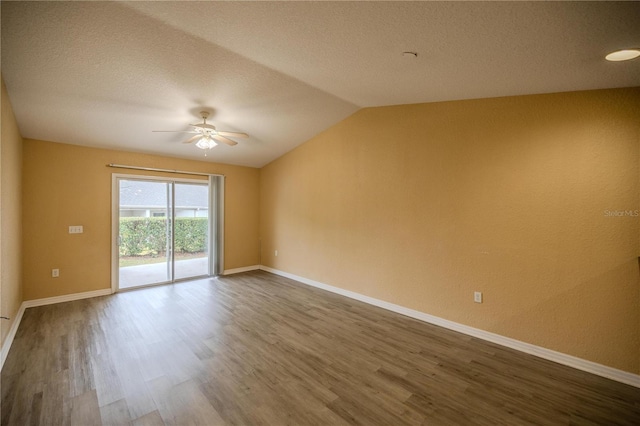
(623, 55)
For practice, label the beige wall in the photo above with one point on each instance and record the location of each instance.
(70, 185)
(10, 216)
(421, 205)
(418, 205)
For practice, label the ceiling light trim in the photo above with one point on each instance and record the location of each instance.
(622, 55)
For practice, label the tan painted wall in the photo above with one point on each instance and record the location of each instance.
(421, 205)
(10, 216)
(70, 185)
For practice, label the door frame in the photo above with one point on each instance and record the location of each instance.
(214, 244)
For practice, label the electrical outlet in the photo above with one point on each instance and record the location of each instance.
(55, 273)
(276, 253)
(477, 296)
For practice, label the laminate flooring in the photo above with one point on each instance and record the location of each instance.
(258, 349)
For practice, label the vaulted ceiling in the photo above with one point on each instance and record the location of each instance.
(106, 74)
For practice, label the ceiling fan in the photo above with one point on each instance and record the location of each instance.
(206, 136)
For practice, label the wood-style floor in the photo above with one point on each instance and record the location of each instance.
(258, 349)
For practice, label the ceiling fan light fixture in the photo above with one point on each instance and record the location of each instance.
(623, 55)
(206, 143)
(205, 133)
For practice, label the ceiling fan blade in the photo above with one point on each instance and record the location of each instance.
(193, 139)
(174, 131)
(234, 134)
(224, 140)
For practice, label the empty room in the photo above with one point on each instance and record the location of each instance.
(320, 213)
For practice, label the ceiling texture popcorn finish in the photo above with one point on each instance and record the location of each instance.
(105, 74)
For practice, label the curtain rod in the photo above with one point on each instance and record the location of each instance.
(153, 169)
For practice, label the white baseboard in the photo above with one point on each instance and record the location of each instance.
(12, 334)
(560, 358)
(238, 270)
(66, 298)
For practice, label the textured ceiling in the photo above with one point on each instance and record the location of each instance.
(105, 74)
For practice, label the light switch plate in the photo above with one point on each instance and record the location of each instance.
(77, 229)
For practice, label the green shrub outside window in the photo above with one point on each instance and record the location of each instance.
(147, 236)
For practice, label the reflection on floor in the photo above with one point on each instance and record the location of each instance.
(135, 276)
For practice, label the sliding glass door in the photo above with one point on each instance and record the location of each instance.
(163, 230)
(191, 230)
(144, 235)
